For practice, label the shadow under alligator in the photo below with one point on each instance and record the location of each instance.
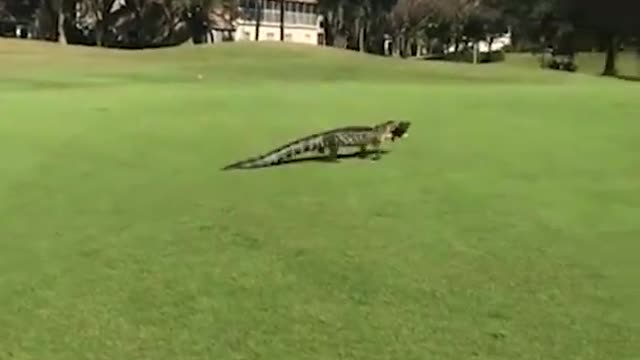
(322, 159)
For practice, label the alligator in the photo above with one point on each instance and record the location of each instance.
(329, 142)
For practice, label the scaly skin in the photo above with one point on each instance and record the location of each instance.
(331, 141)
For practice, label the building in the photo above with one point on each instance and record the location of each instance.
(302, 22)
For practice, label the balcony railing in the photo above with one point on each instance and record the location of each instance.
(295, 13)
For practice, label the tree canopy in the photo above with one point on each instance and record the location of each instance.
(363, 25)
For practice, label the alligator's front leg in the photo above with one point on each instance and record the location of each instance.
(377, 150)
(363, 152)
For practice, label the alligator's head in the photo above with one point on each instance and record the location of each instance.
(399, 129)
(394, 129)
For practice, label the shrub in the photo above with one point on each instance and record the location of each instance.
(558, 62)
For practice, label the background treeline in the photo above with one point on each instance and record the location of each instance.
(363, 25)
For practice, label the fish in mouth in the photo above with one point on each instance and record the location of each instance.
(400, 130)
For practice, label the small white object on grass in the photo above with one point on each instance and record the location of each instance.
(199, 76)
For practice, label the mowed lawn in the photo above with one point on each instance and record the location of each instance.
(506, 226)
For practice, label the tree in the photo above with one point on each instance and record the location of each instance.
(333, 12)
(224, 12)
(58, 5)
(526, 19)
(258, 12)
(484, 22)
(610, 21)
(281, 20)
(376, 25)
(99, 11)
(408, 17)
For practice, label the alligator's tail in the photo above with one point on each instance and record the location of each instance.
(283, 153)
(253, 162)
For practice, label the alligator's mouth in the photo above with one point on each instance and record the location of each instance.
(400, 130)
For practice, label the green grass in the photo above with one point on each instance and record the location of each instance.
(627, 62)
(505, 226)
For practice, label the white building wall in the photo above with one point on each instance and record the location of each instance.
(246, 31)
(301, 22)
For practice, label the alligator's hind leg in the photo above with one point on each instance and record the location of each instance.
(331, 143)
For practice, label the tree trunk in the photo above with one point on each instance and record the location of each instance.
(638, 59)
(490, 54)
(281, 20)
(168, 15)
(400, 46)
(258, 16)
(62, 38)
(99, 33)
(46, 26)
(407, 45)
(329, 19)
(476, 50)
(361, 46)
(610, 61)
(394, 45)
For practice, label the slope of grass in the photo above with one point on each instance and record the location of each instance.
(627, 62)
(504, 227)
(238, 62)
